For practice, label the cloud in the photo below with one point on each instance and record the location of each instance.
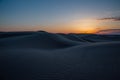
(110, 18)
(109, 31)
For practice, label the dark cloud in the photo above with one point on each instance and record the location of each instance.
(109, 31)
(110, 18)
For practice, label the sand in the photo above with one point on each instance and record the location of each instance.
(47, 56)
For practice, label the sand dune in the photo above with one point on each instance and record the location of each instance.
(46, 56)
(41, 40)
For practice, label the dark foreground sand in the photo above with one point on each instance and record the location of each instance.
(47, 56)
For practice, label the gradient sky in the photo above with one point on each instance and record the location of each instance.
(59, 15)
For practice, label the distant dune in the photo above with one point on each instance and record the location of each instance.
(47, 56)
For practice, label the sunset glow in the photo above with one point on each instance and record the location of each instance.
(88, 26)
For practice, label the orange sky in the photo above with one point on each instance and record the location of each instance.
(75, 26)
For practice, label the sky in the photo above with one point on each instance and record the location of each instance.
(59, 16)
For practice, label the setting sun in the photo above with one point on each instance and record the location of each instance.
(86, 25)
(87, 30)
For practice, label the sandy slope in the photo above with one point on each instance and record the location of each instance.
(46, 56)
